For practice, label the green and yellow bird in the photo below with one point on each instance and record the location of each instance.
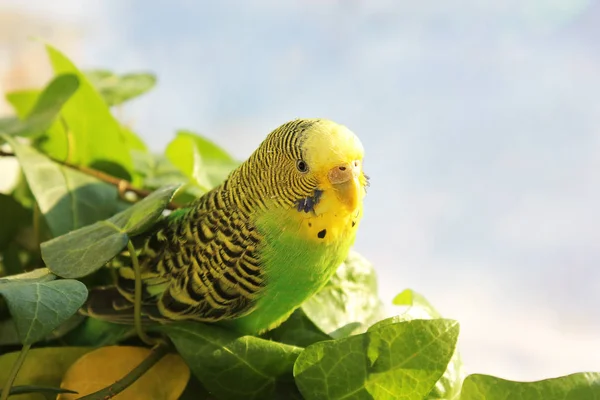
(251, 250)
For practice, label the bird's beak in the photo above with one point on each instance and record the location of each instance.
(345, 179)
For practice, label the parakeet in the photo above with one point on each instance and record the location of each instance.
(250, 251)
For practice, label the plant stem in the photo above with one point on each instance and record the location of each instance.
(158, 352)
(36, 225)
(14, 371)
(121, 184)
(137, 305)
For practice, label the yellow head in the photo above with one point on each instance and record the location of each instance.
(312, 167)
(333, 157)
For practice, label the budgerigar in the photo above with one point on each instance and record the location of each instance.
(251, 250)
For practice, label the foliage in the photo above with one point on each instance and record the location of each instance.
(88, 186)
(165, 380)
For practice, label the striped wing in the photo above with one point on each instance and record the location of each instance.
(203, 265)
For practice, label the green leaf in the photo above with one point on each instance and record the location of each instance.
(38, 305)
(81, 252)
(297, 330)
(580, 386)
(95, 135)
(23, 101)
(117, 89)
(96, 333)
(348, 304)
(67, 198)
(142, 215)
(8, 333)
(64, 328)
(194, 391)
(46, 109)
(42, 367)
(402, 360)
(37, 275)
(134, 142)
(156, 171)
(200, 159)
(56, 143)
(232, 366)
(448, 386)
(15, 259)
(415, 300)
(13, 216)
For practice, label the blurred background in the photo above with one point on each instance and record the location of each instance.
(481, 123)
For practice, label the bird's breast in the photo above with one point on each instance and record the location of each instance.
(331, 222)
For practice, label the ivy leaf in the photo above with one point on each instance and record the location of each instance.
(220, 357)
(400, 360)
(47, 107)
(67, 198)
(580, 386)
(38, 305)
(81, 252)
(348, 304)
(117, 89)
(200, 159)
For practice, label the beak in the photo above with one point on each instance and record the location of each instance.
(345, 179)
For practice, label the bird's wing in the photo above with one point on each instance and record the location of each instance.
(202, 264)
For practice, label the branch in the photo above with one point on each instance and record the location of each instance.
(158, 352)
(14, 371)
(122, 185)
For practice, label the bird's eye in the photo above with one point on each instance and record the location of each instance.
(302, 166)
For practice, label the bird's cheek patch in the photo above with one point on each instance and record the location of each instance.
(309, 203)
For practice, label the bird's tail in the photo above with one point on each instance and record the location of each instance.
(108, 304)
(115, 303)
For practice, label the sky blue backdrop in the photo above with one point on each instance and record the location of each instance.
(481, 123)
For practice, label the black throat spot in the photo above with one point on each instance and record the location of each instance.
(308, 204)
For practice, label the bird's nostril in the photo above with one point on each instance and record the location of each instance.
(342, 168)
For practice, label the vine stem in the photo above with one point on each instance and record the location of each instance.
(122, 185)
(14, 371)
(137, 305)
(157, 352)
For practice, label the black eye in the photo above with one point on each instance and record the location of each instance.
(302, 166)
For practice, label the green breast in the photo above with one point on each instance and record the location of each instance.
(294, 269)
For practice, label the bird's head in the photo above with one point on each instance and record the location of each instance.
(306, 160)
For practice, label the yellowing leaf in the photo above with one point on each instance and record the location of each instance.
(101, 368)
(42, 367)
